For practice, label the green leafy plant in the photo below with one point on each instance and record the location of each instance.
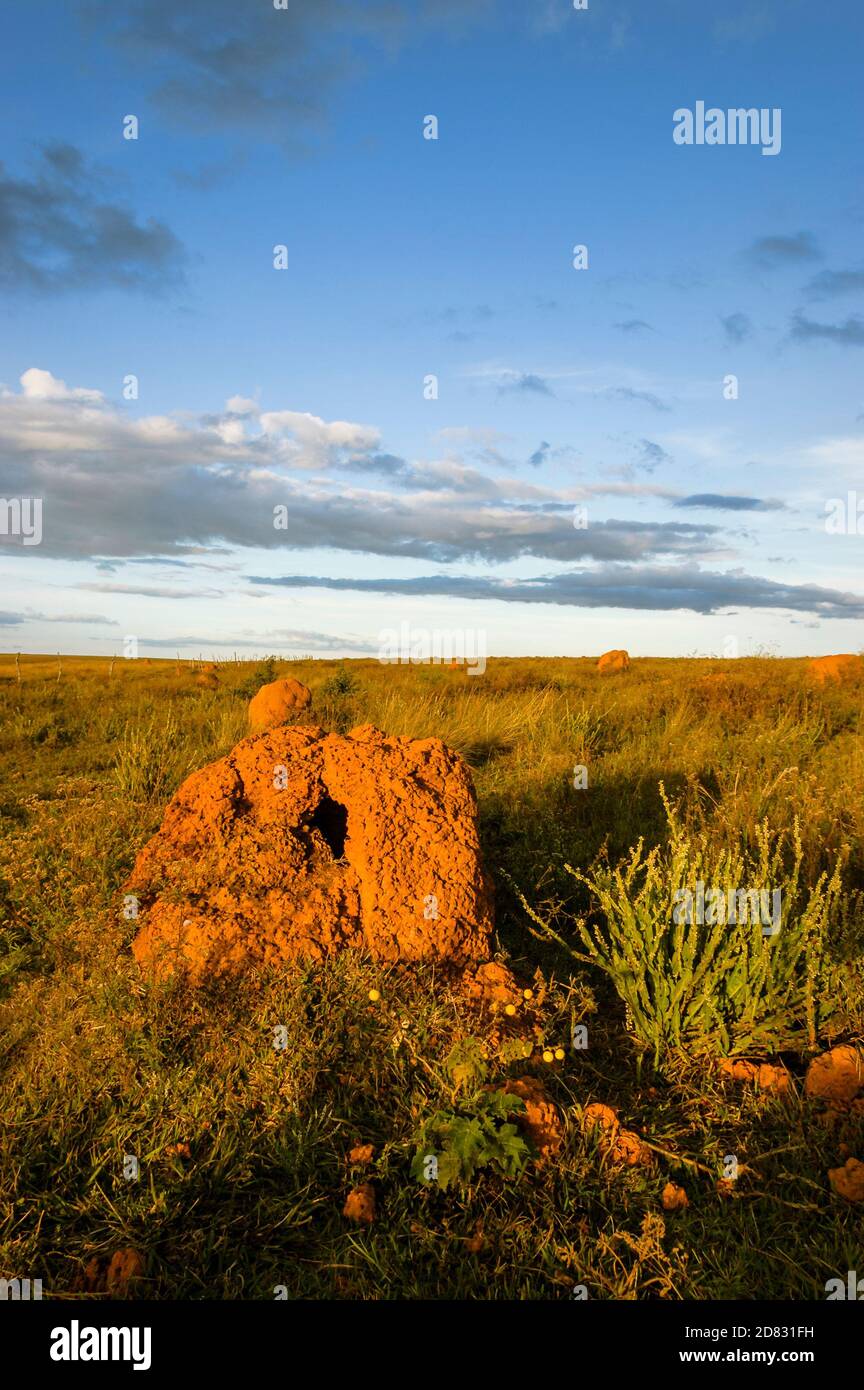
(466, 1064)
(463, 1142)
(335, 699)
(477, 1133)
(712, 986)
(515, 1050)
(262, 674)
(340, 685)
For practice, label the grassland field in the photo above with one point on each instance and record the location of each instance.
(243, 1149)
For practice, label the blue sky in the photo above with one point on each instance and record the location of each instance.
(704, 523)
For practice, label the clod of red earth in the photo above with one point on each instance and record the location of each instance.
(360, 1204)
(277, 702)
(766, 1076)
(362, 1154)
(114, 1275)
(300, 843)
(848, 1181)
(540, 1118)
(673, 1197)
(494, 990)
(493, 985)
(621, 1145)
(628, 1149)
(837, 1075)
(598, 1116)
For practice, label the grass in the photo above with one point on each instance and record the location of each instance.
(96, 1064)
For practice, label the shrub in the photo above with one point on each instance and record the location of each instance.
(340, 685)
(711, 985)
(335, 700)
(262, 674)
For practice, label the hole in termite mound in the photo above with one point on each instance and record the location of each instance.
(331, 822)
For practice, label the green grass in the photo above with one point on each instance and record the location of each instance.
(97, 1064)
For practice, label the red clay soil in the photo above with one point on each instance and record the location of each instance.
(360, 1204)
(115, 1275)
(540, 1118)
(492, 985)
(837, 1075)
(613, 661)
(848, 1181)
(276, 702)
(766, 1076)
(300, 843)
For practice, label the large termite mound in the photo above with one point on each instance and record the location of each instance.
(299, 843)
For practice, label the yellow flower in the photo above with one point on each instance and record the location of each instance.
(374, 995)
(548, 1056)
(510, 1009)
(559, 1054)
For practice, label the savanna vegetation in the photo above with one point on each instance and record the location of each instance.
(600, 799)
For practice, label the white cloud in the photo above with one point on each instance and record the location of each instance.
(310, 441)
(845, 454)
(42, 386)
(116, 486)
(242, 405)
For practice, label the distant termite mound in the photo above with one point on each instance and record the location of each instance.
(277, 702)
(613, 661)
(845, 667)
(300, 843)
